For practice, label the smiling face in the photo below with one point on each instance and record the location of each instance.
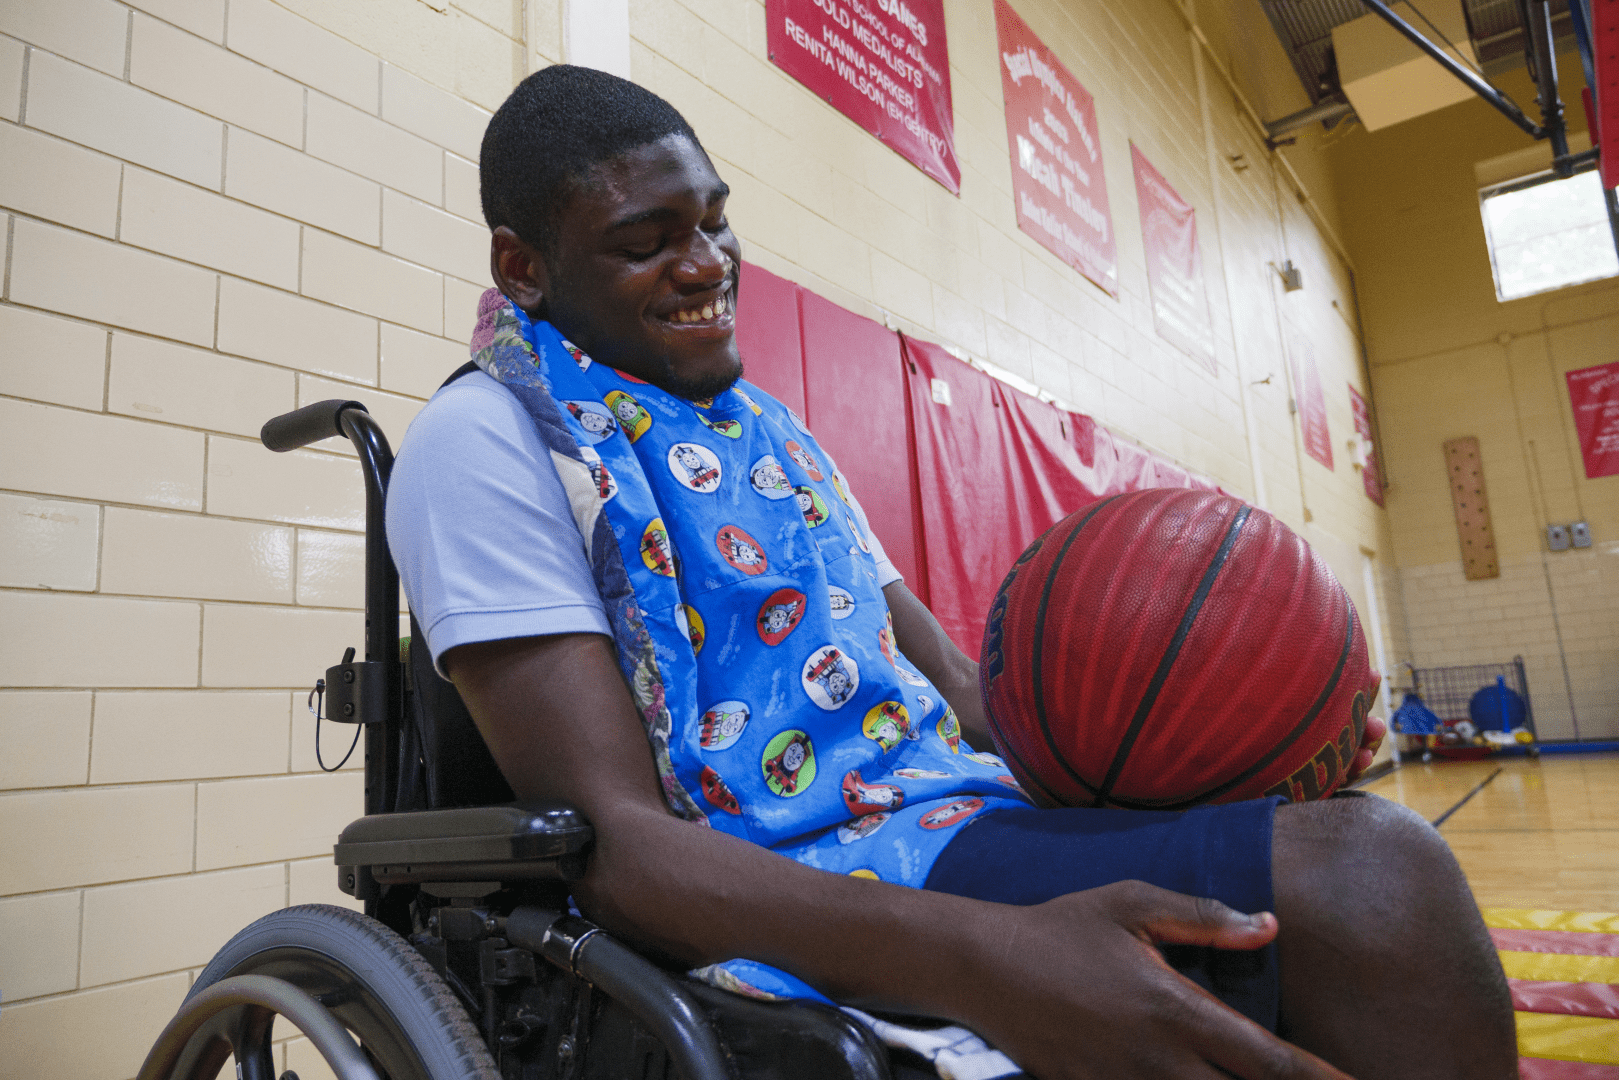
(643, 276)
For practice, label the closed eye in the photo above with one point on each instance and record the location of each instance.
(644, 252)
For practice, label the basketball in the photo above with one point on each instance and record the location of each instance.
(1165, 648)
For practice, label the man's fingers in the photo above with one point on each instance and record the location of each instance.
(1370, 740)
(1243, 1048)
(1172, 918)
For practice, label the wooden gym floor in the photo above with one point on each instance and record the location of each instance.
(1542, 834)
(1539, 840)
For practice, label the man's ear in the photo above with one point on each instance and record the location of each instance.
(519, 270)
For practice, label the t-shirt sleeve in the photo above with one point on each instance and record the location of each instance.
(886, 574)
(480, 526)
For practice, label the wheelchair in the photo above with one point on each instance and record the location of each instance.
(467, 963)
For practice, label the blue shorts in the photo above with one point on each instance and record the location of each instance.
(1028, 856)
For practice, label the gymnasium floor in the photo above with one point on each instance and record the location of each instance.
(1539, 842)
(1543, 834)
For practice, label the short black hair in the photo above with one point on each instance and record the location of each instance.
(557, 124)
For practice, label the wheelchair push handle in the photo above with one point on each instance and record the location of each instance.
(312, 423)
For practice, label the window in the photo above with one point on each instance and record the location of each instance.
(1548, 236)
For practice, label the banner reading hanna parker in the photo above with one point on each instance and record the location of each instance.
(1180, 302)
(1057, 182)
(881, 63)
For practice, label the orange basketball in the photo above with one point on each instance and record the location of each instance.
(1170, 647)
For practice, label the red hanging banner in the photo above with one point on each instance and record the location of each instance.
(1593, 393)
(1308, 397)
(1057, 183)
(881, 63)
(1180, 301)
(1370, 474)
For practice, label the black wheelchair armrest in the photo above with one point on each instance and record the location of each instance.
(516, 841)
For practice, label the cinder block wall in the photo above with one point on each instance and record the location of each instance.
(212, 216)
(216, 210)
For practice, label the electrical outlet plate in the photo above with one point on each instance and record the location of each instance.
(1557, 537)
(1579, 534)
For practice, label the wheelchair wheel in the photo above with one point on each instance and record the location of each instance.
(404, 1016)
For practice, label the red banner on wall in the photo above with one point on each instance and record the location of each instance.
(1308, 397)
(1057, 182)
(1594, 394)
(1370, 474)
(1180, 301)
(881, 63)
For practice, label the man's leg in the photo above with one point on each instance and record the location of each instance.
(1386, 968)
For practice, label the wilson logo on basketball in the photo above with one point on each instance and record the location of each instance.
(1319, 775)
(993, 660)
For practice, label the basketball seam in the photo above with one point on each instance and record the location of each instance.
(1028, 775)
(1292, 737)
(1150, 697)
(1036, 666)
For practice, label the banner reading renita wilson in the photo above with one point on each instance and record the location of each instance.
(1057, 182)
(1180, 301)
(881, 63)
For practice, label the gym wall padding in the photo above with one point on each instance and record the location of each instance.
(854, 359)
(767, 335)
(854, 388)
(995, 469)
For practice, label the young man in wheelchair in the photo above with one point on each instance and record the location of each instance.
(663, 605)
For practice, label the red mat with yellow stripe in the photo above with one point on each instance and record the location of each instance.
(1563, 967)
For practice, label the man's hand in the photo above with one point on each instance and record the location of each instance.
(1370, 740)
(1073, 989)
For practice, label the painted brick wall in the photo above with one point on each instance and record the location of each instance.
(212, 216)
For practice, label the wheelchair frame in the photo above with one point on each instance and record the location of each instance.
(481, 893)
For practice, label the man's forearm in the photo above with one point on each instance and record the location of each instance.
(701, 896)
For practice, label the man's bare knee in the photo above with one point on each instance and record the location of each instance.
(1379, 931)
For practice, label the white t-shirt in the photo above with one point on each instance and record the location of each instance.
(481, 530)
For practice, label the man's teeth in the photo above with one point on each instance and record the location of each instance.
(703, 314)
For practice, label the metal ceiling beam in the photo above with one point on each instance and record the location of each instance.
(1325, 113)
(1551, 105)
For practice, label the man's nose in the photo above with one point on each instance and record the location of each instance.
(704, 263)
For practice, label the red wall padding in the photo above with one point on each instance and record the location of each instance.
(854, 386)
(768, 337)
(995, 469)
